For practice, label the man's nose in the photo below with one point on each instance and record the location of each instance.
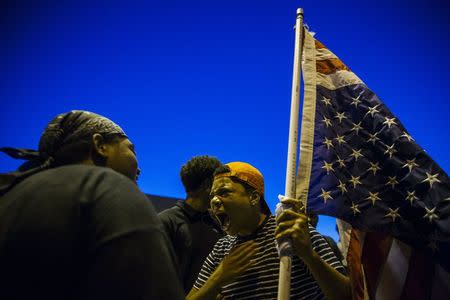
(215, 202)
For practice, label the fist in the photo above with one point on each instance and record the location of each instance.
(295, 226)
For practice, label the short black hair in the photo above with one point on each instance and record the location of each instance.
(197, 171)
(248, 188)
(222, 169)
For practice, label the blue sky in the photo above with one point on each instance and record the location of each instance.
(185, 78)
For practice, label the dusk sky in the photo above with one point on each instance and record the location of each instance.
(186, 78)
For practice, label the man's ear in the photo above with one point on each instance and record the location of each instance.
(254, 198)
(99, 146)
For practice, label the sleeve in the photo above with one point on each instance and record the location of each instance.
(209, 266)
(129, 255)
(322, 248)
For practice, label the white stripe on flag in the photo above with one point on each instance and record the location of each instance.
(324, 54)
(394, 272)
(337, 80)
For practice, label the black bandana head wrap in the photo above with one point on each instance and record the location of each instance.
(60, 144)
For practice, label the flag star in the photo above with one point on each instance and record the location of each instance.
(325, 195)
(355, 181)
(430, 214)
(373, 138)
(390, 150)
(411, 196)
(356, 154)
(328, 143)
(373, 197)
(392, 180)
(339, 139)
(326, 101)
(393, 213)
(356, 127)
(326, 121)
(342, 187)
(407, 136)
(356, 101)
(355, 209)
(374, 167)
(410, 164)
(389, 122)
(373, 110)
(340, 116)
(431, 179)
(328, 167)
(340, 162)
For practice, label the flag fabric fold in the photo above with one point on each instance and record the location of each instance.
(358, 163)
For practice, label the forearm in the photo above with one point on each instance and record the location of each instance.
(209, 290)
(333, 284)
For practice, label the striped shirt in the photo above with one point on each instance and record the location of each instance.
(260, 281)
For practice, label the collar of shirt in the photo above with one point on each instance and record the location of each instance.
(195, 216)
(191, 213)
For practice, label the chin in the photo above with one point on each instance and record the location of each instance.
(230, 231)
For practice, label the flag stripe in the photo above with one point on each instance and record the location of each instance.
(393, 276)
(318, 44)
(375, 252)
(330, 66)
(355, 270)
(337, 80)
(419, 278)
(324, 54)
(308, 118)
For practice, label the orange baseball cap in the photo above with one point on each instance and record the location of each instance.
(250, 175)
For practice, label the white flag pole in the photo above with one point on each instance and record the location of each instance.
(284, 279)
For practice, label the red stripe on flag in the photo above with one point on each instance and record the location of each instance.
(374, 254)
(354, 266)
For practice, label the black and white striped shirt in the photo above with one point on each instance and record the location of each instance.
(260, 281)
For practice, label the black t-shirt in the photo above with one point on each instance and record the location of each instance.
(192, 236)
(83, 232)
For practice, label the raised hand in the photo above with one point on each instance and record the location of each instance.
(295, 226)
(236, 262)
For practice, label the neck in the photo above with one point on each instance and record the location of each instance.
(197, 204)
(88, 162)
(254, 225)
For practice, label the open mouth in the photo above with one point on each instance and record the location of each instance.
(223, 219)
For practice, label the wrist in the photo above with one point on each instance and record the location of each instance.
(218, 277)
(308, 257)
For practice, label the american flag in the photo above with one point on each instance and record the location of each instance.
(359, 164)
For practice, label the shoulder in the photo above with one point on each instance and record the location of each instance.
(173, 215)
(76, 181)
(101, 188)
(224, 245)
(72, 174)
